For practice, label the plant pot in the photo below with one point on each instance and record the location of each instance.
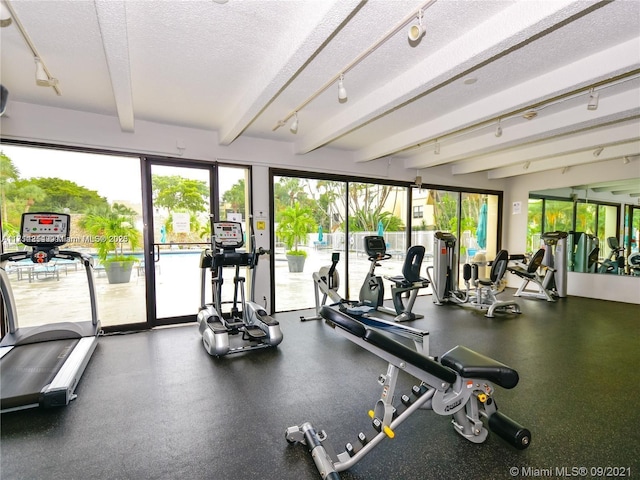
(119, 272)
(296, 263)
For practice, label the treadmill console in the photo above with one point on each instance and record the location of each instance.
(44, 229)
(228, 235)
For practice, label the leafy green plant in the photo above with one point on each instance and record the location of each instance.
(112, 228)
(295, 223)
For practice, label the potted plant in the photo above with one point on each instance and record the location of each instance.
(112, 229)
(295, 223)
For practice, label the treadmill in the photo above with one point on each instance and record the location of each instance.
(42, 365)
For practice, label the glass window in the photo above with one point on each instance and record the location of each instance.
(607, 227)
(534, 224)
(381, 210)
(310, 216)
(102, 193)
(558, 216)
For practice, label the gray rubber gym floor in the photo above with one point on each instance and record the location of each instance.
(154, 405)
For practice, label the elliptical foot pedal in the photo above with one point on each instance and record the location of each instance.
(255, 333)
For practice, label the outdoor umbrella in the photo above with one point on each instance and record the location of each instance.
(481, 231)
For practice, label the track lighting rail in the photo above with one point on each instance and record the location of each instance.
(41, 68)
(402, 24)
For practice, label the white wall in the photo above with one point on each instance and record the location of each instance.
(515, 225)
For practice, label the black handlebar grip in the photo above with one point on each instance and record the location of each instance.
(510, 430)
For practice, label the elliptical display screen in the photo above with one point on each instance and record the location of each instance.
(228, 234)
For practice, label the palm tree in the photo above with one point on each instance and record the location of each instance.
(295, 223)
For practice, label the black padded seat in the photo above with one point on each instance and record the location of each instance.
(409, 355)
(411, 268)
(470, 364)
(532, 267)
(498, 267)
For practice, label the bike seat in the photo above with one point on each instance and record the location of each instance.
(470, 364)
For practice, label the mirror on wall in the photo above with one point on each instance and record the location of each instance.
(603, 222)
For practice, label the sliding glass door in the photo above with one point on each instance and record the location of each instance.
(182, 211)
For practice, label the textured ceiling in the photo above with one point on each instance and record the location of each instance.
(241, 67)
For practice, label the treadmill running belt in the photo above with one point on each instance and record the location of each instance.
(25, 370)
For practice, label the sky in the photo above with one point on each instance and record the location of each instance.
(116, 178)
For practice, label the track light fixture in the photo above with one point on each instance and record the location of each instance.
(626, 160)
(436, 148)
(526, 165)
(294, 126)
(593, 100)
(499, 129)
(598, 151)
(416, 30)
(342, 92)
(5, 16)
(42, 77)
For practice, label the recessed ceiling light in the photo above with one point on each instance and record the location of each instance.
(470, 80)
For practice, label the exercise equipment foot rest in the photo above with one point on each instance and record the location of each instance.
(470, 364)
(510, 430)
(255, 332)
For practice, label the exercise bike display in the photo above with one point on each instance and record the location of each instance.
(461, 385)
(443, 276)
(372, 290)
(245, 317)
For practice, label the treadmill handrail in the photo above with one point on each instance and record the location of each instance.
(8, 301)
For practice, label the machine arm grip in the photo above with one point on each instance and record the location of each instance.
(510, 430)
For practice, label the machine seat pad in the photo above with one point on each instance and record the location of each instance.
(409, 355)
(343, 320)
(521, 272)
(402, 282)
(470, 364)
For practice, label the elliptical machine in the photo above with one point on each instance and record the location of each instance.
(372, 290)
(245, 317)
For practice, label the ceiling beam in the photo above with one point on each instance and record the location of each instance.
(283, 67)
(566, 161)
(514, 26)
(606, 64)
(112, 20)
(576, 139)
